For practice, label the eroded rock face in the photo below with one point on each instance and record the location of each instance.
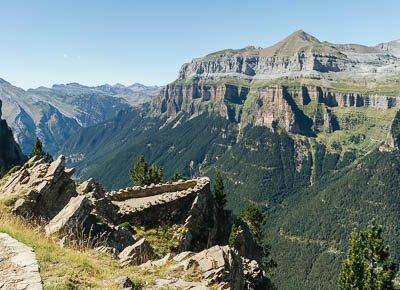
(92, 214)
(42, 189)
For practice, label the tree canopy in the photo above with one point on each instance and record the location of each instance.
(38, 151)
(367, 265)
(219, 194)
(143, 174)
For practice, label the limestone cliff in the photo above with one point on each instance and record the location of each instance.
(10, 153)
(271, 106)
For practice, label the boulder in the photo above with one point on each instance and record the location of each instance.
(137, 254)
(124, 282)
(73, 214)
(119, 239)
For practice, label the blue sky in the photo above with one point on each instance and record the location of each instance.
(96, 42)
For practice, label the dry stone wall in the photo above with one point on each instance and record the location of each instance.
(171, 203)
(150, 190)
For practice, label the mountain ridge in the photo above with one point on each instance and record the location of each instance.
(54, 113)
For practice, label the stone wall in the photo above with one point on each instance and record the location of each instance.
(151, 190)
(172, 207)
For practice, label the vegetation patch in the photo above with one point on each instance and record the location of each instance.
(164, 239)
(69, 268)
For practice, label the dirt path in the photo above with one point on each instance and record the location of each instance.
(19, 268)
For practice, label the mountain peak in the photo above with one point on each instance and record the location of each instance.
(3, 81)
(292, 44)
(301, 34)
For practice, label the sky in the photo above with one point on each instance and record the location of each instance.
(95, 42)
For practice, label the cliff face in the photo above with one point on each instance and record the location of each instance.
(270, 107)
(10, 153)
(196, 98)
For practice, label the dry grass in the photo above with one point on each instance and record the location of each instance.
(69, 268)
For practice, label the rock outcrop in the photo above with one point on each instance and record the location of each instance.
(393, 138)
(137, 254)
(298, 55)
(10, 153)
(271, 106)
(42, 189)
(218, 267)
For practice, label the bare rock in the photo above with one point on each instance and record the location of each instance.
(43, 188)
(223, 267)
(119, 239)
(157, 263)
(74, 213)
(137, 254)
(124, 282)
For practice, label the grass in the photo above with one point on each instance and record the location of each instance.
(164, 239)
(68, 268)
(362, 129)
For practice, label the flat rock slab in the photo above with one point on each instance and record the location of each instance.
(19, 268)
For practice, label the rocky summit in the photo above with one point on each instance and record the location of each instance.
(298, 55)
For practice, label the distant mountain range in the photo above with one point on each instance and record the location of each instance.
(55, 113)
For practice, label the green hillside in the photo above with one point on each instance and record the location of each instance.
(309, 231)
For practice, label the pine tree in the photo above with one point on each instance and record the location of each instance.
(139, 171)
(352, 275)
(219, 194)
(142, 174)
(254, 218)
(233, 237)
(38, 151)
(177, 176)
(155, 175)
(367, 265)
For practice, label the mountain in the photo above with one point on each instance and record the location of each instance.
(392, 47)
(55, 113)
(10, 153)
(135, 94)
(298, 55)
(305, 128)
